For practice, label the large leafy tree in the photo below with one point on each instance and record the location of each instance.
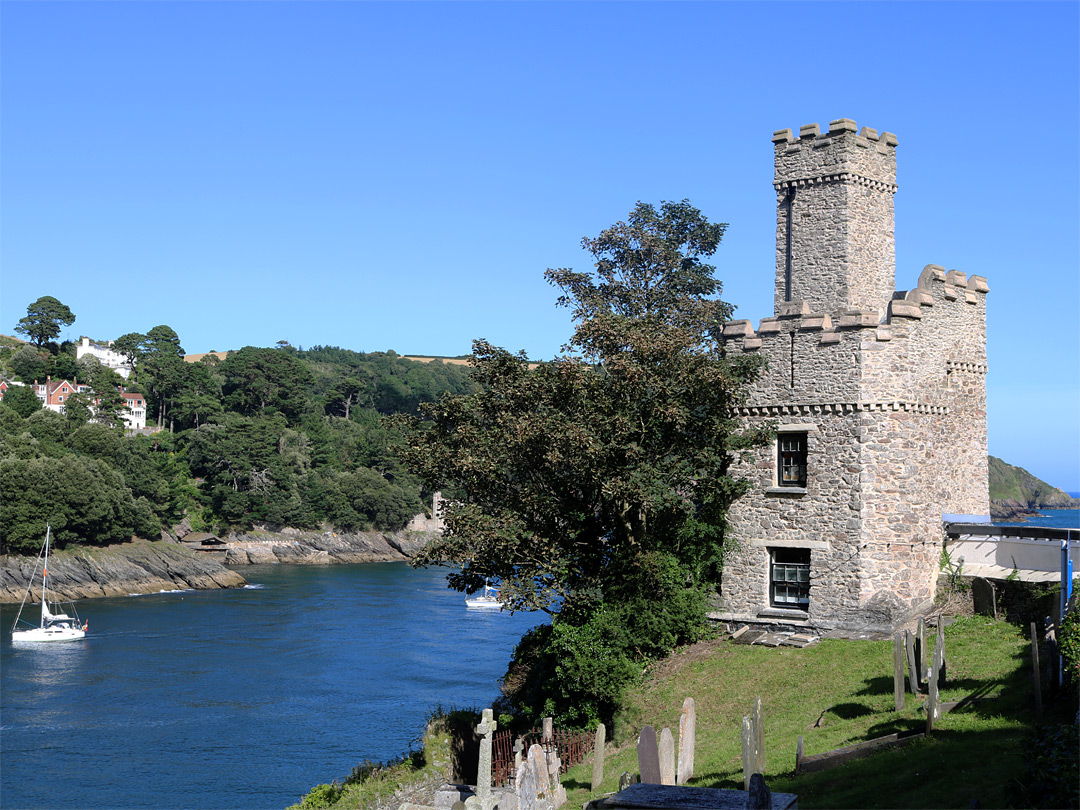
(260, 382)
(595, 487)
(43, 320)
(578, 471)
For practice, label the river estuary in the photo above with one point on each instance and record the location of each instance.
(245, 698)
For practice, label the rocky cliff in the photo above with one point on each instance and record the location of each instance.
(196, 561)
(136, 567)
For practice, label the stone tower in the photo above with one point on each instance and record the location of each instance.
(835, 247)
(877, 397)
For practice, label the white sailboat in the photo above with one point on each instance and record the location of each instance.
(54, 626)
(488, 600)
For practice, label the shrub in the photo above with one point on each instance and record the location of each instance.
(1070, 637)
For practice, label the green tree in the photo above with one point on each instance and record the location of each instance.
(265, 381)
(21, 399)
(614, 457)
(133, 347)
(43, 320)
(29, 365)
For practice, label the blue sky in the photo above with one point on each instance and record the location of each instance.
(399, 175)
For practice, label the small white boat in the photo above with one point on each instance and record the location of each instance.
(488, 600)
(54, 626)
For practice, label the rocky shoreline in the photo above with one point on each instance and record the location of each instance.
(195, 561)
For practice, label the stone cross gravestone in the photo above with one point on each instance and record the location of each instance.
(666, 754)
(687, 740)
(484, 798)
(648, 756)
(598, 758)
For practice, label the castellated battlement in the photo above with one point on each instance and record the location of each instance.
(925, 336)
(839, 155)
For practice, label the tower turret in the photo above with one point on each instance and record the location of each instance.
(835, 246)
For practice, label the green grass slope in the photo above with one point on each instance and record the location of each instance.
(1016, 486)
(836, 693)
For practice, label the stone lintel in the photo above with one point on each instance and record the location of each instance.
(804, 428)
(816, 545)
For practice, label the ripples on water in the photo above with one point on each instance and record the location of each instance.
(243, 698)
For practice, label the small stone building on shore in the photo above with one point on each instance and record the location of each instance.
(878, 397)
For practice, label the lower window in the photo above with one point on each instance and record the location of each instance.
(789, 579)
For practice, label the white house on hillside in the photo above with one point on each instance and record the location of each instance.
(108, 358)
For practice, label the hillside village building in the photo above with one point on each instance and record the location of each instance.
(105, 355)
(879, 398)
(54, 394)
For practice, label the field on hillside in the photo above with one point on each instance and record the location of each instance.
(836, 693)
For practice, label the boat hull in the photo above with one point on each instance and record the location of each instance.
(41, 634)
(484, 604)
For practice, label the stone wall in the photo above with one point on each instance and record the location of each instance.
(889, 388)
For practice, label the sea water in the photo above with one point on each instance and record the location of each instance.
(242, 698)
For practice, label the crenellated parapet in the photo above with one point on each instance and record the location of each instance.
(935, 285)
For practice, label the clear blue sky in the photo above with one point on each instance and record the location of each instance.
(399, 175)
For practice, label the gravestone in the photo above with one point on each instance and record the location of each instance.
(626, 779)
(759, 737)
(532, 783)
(760, 796)
(687, 742)
(598, 759)
(920, 650)
(484, 799)
(982, 597)
(747, 750)
(648, 756)
(519, 749)
(548, 727)
(666, 752)
(932, 705)
(912, 665)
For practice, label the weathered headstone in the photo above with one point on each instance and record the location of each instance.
(898, 672)
(519, 749)
(747, 751)
(759, 737)
(800, 752)
(760, 797)
(666, 752)
(626, 779)
(557, 793)
(932, 705)
(598, 758)
(912, 666)
(484, 799)
(548, 732)
(533, 784)
(983, 598)
(687, 742)
(920, 650)
(648, 756)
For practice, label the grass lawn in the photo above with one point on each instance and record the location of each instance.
(836, 693)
